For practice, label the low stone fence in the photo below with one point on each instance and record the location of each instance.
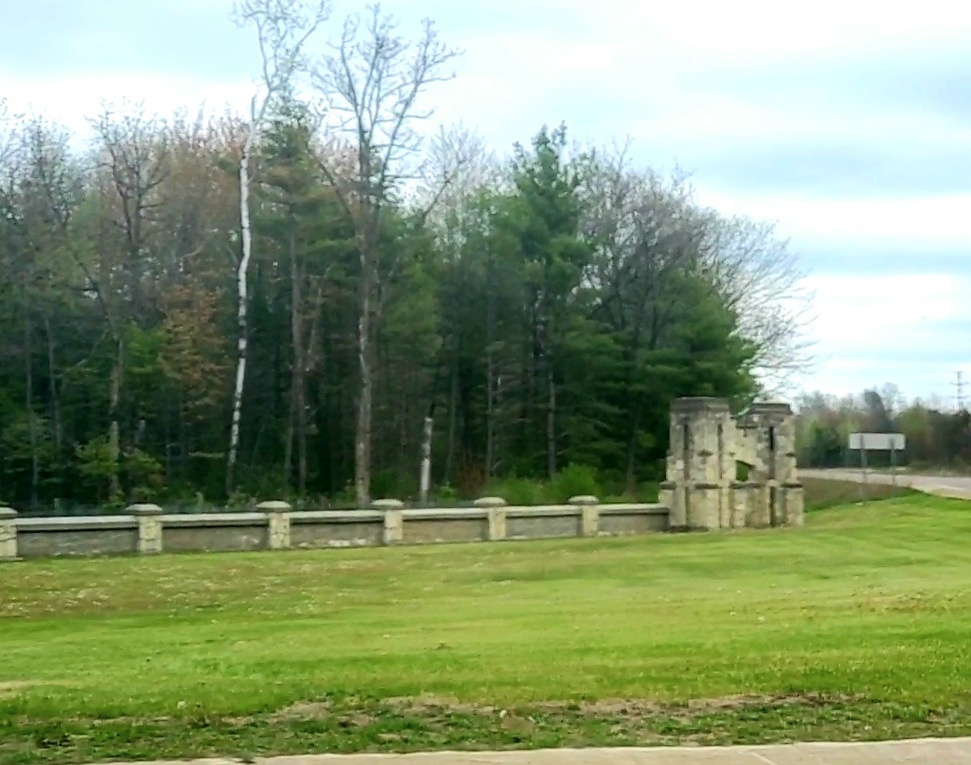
(275, 526)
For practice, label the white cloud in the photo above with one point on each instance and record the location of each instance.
(885, 327)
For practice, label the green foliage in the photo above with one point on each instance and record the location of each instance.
(545, 312)
(97, 463)
(574, 481)
(934, 438)
(519, 491)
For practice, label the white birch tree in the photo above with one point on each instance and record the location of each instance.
(283, 28)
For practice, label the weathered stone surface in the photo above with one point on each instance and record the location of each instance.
(394, 529)
(387, 504)
(149, 528)
(497, 523)
(274, 506)
(490, 502)
(584, 499)
(278, 523)
(707, 444)
(8, 534)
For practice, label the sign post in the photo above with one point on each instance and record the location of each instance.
(877, 442)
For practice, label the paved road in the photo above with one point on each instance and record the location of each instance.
(956, 487)
(924, 752)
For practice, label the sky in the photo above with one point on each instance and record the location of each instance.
(848, 124)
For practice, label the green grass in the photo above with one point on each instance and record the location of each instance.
(855, 627)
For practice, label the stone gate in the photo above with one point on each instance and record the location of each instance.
(731, 471)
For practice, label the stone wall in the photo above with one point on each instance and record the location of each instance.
(707, 446)
(702, 491)
(147, 530)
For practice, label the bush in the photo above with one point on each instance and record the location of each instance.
(518, 491)
(573, 481)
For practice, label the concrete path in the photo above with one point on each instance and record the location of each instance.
(955, 487)
(924, 751)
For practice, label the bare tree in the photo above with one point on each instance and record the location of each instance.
(283, 28)
(8, 144)
(753, 270)
(762, 280)
(133, 162)
(459, 166)
(373, 82)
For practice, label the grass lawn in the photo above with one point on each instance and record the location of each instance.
(856, 627)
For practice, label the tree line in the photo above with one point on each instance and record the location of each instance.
(935, 435)
(316, 297)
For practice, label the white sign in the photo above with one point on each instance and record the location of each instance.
(877, 442)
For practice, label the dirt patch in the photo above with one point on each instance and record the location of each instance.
(429, 704)
(13, 687)
(623, 709)
(303, 710)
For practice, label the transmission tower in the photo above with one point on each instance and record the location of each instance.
(959, 390)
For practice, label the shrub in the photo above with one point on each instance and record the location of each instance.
(573, 481)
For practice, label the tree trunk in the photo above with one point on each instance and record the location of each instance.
(490, 456)
(114, 414)
(551, 421)
(288, 442)
(29, 401)
(632, 456)
(362, 437)
(299, 361)
(52, 383)
(241, 317)
(426, 461)
(453, 400)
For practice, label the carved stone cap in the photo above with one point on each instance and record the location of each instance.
(7, 513)
(770, 407)
(274, 506)
(584, 499)
(387, 504)
(145, 509)
(490, 502)
(699, 404)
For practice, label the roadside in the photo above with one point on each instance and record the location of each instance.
(952, 487)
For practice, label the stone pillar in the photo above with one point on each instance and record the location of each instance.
(8, 534)
(496, 506)
(278, 523)
(394, 521)
(149, 528)
(795, 504)
(697, 485)
(671, 495)
(777, 450)
(590, 508)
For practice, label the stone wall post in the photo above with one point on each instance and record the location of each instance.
(795, 504)
(698, 476)
(777, 451)
(394, 521)
(149, 528)
(8, 534)
(496, 507)
(278, 523)
(590, 518)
